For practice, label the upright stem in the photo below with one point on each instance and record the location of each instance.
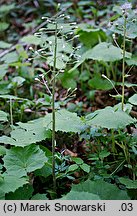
(53, 109)
(123, 64)
(11, 114)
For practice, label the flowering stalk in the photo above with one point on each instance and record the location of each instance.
(123, 63)
(125, 7)
(53, 108)
(55, 33)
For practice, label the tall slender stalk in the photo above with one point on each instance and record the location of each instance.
(11, 114)
(123, 63)
(53, 108)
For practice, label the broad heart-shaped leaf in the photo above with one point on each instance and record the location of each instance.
(109, 118)
(130, 184)
(89, 36)
(21, 137)
(104, 190)
(3, 116)
(105, 52)
(80, 195)
(10, 183)
(99, 83)
(133, 99)
(65, 121)
(20, 161)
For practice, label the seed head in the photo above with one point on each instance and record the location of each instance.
(36, 79)
(126, 6)
(50, 42)
(67, 17)
(30, 48)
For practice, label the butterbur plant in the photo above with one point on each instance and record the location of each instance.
(57, 49)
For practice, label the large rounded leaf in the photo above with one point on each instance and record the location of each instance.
(20, 161)
(105, 52)
(21, 137)
(65, 121)
(109, 118)
(9, 183)
(104, 190)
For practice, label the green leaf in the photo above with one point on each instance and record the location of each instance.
(131, 26)
(22, 193)
(72, 168)
(39, 196)
(3, 26)
(85, 167)
(128, 85)
(98, 83)
(6, 8)
(10, 57)
(132, 61)
(2, 150)
(109, 118)
(105, 52)
(11, 182)
(3, 70)
(103, 154)
(77, 160)
(21, 137)
(60, 64)
(89, 36)
(3, 116)
(19, 64)
(76, 195)
(20, 161)
(2, 195)
(31, 39)
(68, 80)
(65, 121)
(4, 45)
(12, 97)
(3, 87)
(133, 99)
(130, 184)
(18, 81)
(45, 171)
(104, 190)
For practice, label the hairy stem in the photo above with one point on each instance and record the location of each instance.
(53, 109)
(123, 63)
